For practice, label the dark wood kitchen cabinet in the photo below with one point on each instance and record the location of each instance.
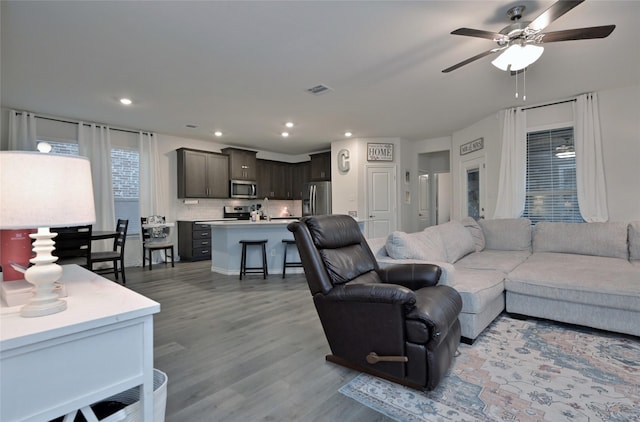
(202, 174)
(274, 179)
(300, 174)
(194, 241)
(242, 164)
(321, 166)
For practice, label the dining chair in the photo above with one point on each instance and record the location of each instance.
(155, 239)
(73, 245)
(114, 256)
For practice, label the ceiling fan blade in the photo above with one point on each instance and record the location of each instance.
(471, 59)
(479, 33)
(552, 13)
(577, 34)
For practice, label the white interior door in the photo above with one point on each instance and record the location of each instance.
(473, 177)
(381, 200)
(424, 212)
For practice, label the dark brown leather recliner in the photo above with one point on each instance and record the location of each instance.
(396, 323)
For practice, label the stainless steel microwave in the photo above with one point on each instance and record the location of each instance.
(243, 189)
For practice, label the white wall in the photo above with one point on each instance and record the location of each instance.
(349, 190)
(620, 128)
(487, 128)
(620, 123)
(345, 185)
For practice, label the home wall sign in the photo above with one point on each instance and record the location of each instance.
(472, 146)
(379, 152)
(343, 161)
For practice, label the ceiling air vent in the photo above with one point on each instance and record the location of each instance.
(319, 89)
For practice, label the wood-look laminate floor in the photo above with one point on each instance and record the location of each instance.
(250, 350)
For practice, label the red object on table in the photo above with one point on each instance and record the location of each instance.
(15, 246)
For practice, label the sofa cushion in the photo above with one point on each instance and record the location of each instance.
(478, 288)
(590, 280)
(419, 245)
(378, 248)
(598, 239)
(476, 232)
(503, 261)
(457, 240)
(634, 240)
(507, 234)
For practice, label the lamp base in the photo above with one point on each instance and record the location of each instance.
(37, 308)
(43, 276)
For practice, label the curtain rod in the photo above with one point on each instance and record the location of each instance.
(56, 119)
(546, 105)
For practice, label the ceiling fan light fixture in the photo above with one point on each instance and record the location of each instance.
(517, 57)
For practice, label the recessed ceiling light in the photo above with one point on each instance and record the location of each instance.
(348, 134)
(217, 133)
(125, 101)
(285, 134)
(289, 124)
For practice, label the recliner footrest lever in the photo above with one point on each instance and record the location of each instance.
(373, 358)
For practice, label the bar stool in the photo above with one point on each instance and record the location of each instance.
(244, 270)
(286, 264)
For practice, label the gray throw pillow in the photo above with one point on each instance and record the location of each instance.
(457, 240)
(476, 232)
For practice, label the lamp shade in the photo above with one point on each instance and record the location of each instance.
(44, 190)
(517, 57)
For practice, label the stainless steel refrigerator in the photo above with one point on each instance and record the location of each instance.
(316, 198)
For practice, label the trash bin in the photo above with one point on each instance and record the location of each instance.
(131, 398)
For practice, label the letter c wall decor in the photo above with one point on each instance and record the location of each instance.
(343, 161)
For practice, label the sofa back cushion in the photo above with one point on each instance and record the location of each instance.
(634, 240)
(457, 240)
(507, 234)
(426, 245)
(597, 239)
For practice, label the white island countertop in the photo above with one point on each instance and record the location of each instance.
(245, 223)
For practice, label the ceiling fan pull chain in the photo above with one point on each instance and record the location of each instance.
(516, 84)
(524, 84)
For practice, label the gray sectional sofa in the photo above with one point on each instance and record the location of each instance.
(580, 273)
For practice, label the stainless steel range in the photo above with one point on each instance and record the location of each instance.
(241, 212)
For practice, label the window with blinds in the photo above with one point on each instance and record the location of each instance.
(551, 177)
(125, 170)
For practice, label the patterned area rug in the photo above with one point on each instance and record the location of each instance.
(522, 371)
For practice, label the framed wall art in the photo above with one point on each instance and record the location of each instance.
(379, 152)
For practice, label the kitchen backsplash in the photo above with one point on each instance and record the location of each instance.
(212, 208)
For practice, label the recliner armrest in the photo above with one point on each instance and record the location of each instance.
(373, 293)
(437, 308)
(411, 276)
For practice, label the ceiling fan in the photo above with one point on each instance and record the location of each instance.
(527, 35)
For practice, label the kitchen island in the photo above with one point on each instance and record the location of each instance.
(226, 249)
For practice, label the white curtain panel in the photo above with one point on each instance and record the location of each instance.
(152, 188)
(513, 165)
(94, 143)
(590, 181)
(22, 131)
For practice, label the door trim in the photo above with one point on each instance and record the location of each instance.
(473, 164)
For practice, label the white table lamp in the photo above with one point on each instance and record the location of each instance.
(41, 191)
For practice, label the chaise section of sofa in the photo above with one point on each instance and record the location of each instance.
(579, 273)
(474, 261)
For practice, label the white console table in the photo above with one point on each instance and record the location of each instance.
(101, 345)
